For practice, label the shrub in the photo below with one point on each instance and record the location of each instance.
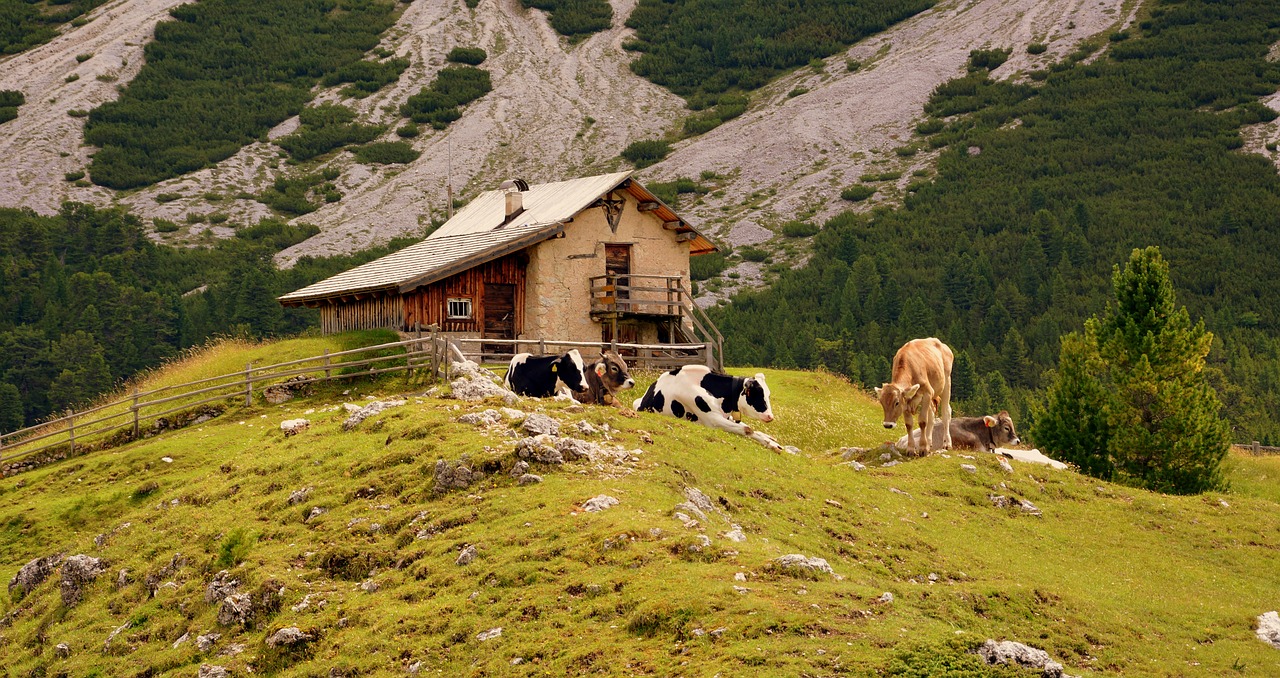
(167, 197)
(325, 128)
(817, 64)
(218, 217)
(853, 65)
(234, 547)
(575, 18)
(366, 77)
(71, 78)
(645, 153)
(81, 58)
(799, 229)
(752, 253)
(471, 56)
(797, 92)
(857, 193)
(988, 59)
(164, 225)
(931, 126)
(1037, 48)
(74, 176)
(387, 153)
(453, 87)
(78, 113)
(706, 266)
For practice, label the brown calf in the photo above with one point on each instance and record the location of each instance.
(984, 434)
(921, 373)
(605, 377)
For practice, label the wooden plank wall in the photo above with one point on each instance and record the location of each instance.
(362, 314)
(426, 305)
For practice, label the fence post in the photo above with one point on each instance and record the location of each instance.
(135, 412)
(435, 361)
(326, 364)
(71, 430)
(1257, 450)
(542, 347)
(248, 384)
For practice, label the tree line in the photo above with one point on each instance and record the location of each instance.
(1039, 192)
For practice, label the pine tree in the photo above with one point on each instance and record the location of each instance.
(964, 377)
(1131, 398)
(10, 407)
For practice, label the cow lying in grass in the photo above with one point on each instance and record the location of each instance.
(605, 378)
(984, 434)
(546, 375)
(696, 393)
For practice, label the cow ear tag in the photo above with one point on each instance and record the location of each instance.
(988, 421)
(553, 368)
(599, 369)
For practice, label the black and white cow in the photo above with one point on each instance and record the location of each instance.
(696, 393)
(542, 376)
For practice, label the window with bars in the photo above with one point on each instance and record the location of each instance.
(459, 308)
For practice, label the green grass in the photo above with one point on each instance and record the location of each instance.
(1110, 580)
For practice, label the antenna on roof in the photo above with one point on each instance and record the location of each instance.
(449, 181)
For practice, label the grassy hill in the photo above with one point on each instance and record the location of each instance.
(1108, 580)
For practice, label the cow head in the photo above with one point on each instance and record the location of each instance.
(572, 371)
(1001, 428)
(611, 369)
(895, 401)
(755, 398)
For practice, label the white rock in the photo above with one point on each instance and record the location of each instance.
(599, 503)
(167, 460)
(969, 467)
(798, 561)
(468, 554)
(490, 634)
(885, 597)
(1269, 628)
(736, 534)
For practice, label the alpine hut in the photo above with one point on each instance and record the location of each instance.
(596, 259)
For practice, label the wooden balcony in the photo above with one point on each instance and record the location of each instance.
(658, 297)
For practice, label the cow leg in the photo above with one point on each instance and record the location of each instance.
(926, 422)
(909, 420)
(945, 410)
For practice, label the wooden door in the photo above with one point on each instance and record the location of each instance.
(499, 320)
(617, 261)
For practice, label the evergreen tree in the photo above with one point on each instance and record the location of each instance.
(84, 370)
(1140, 369)
(1017, 359)
(10, 408)
(964, 377)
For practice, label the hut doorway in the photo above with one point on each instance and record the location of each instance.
(499, 320)
(617, 261)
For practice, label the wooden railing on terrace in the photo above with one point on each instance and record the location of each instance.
(657, 297)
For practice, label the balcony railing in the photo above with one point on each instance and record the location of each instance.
(657, 297)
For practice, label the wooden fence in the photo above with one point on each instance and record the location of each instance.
(1256, 449)
(429, 353)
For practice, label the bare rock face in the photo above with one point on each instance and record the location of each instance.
(77, 572)
(1009, 652)
(289, 636)
(1269, 628)
(34, 572)
(475, 383)
(453, 476)
(795, 562)
(537, 424)
(236, 609)
(223, 585)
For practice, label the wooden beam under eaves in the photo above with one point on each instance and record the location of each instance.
(671, 225)
(647, 206)
(686, 236)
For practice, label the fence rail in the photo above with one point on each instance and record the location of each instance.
(428, 353)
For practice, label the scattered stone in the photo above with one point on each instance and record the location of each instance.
(415, 667)
(233, 649)
(184, 638)
(572, 449)
(288, 636)
(205, 642)
(167, 460)
(539, 424)
(490, 634)
(974, 150)
(886, 457)
(475, 383)
(539, 448)
(1223, 503)
(740, 576)
(468, 554)
(1269, 628)
(62, 650)
(513, 414)
(298, 496)
(485, 418)
(453, 476)
(645, 437)
(305, 603)
(791, 449)
(293, 427)
(1025, 656)
(742, 590)
(520, 468)
(529, 479)
(316, 511)
(1028, 507)
(119, 629)
(1005, 466)
(283, 392)
(736, 534)
(223, 585)
(599, 503)
(236, 608)
(933, 576)
(858, 466)
(897, 491)
(517, 661)
(703, 541)
(969, 467)
(123, 579)
(998, 500)
(688, 522)
(684, 508)
(101, 540)
(369, 586)
(885, 597)
(77, 572)
(342, 622)
(890, 464)
(211, 671)
(832, 502)
(716, 633)
(34, 572)
(368, 411)
(796, 561)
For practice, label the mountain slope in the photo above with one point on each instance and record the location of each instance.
(1108, 580)
(557, 110)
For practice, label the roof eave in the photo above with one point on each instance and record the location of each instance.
(509, 247)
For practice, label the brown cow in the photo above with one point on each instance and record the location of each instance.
(605, 377)
(921, 372)
(984, 434)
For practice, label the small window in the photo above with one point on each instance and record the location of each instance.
(460, 308)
